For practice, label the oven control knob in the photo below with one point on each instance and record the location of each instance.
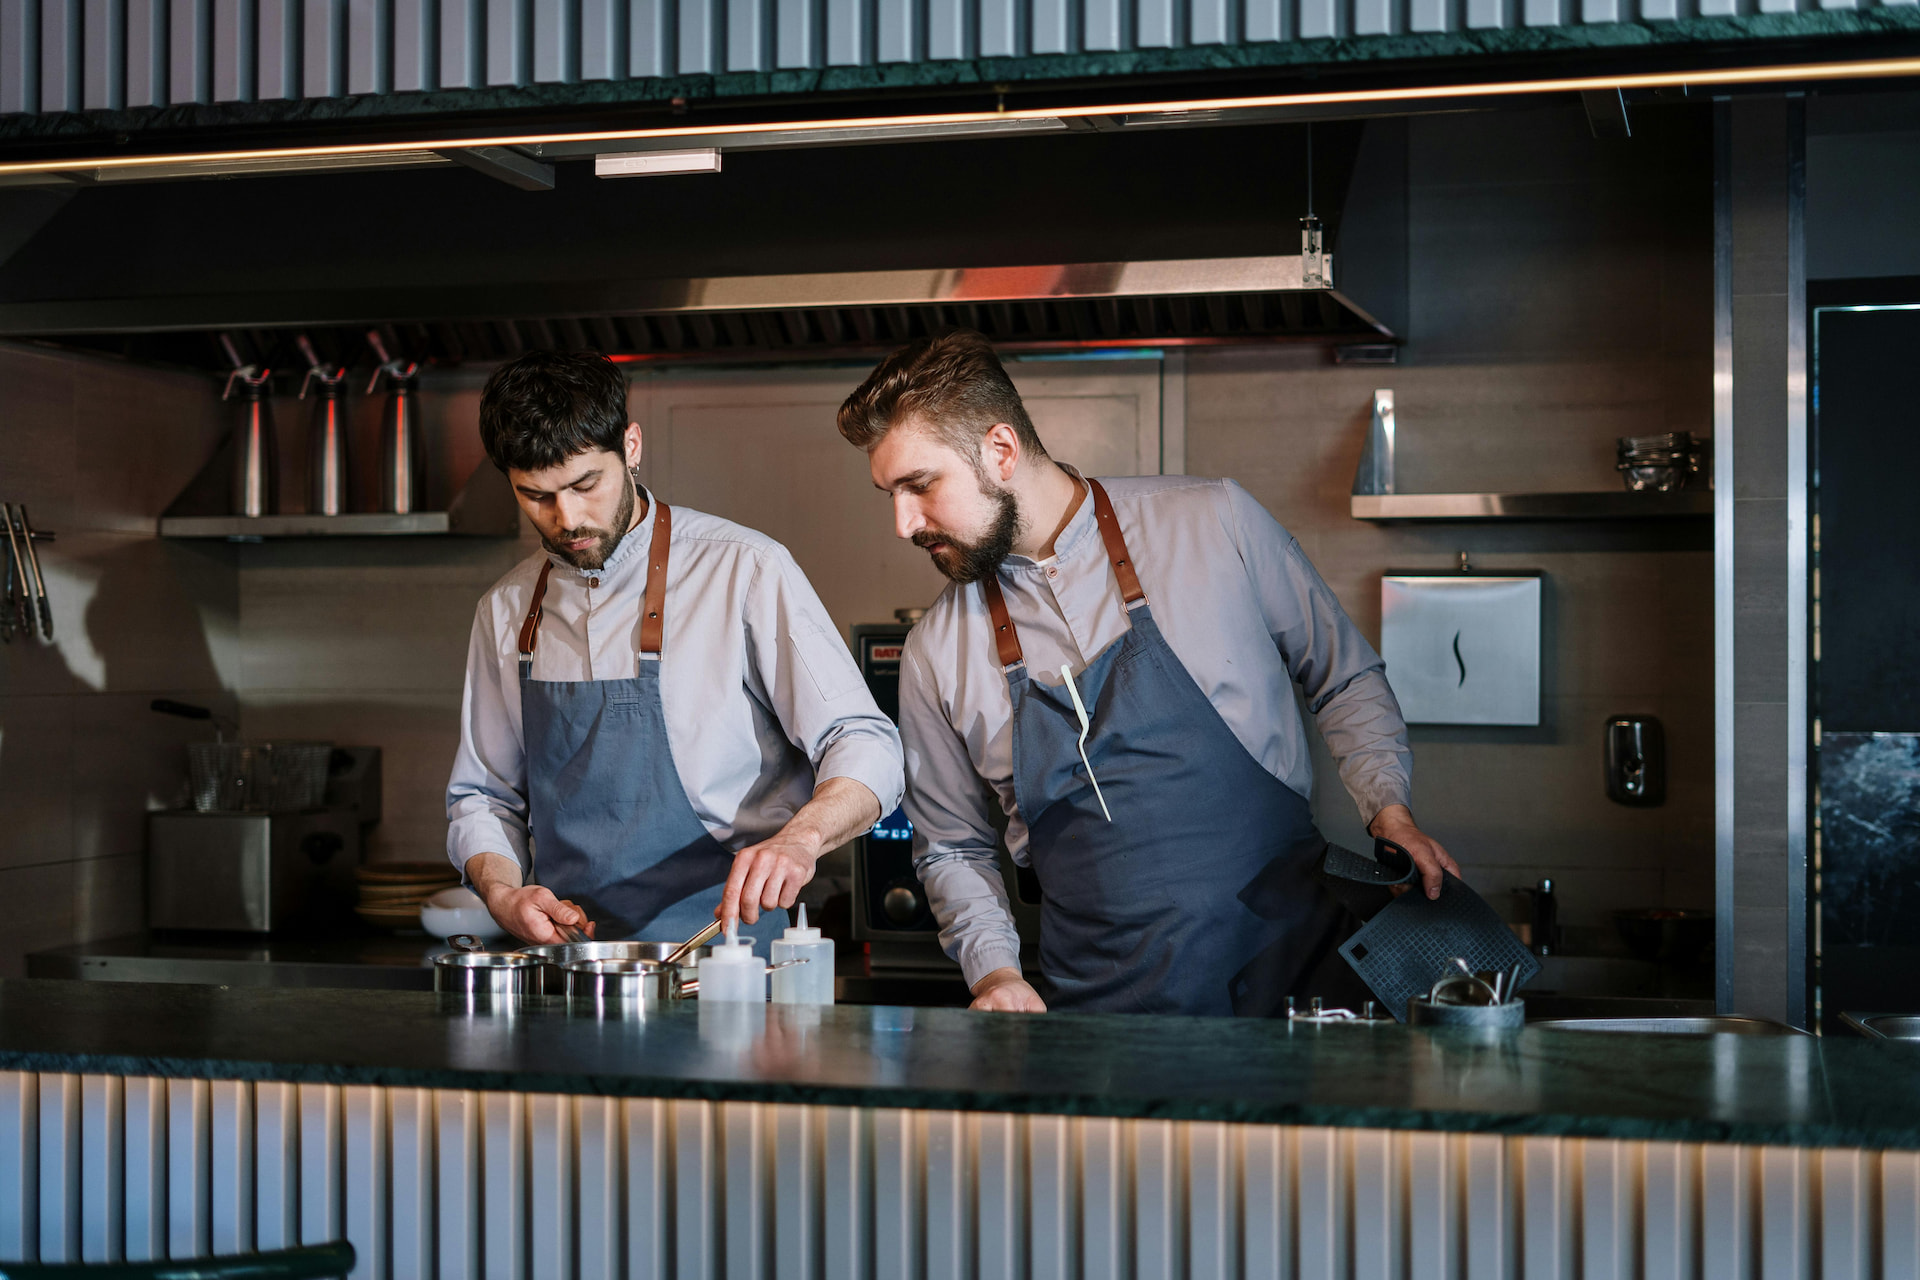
(901, 905)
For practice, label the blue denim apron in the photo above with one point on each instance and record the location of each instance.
(1199, 897)
(612, 827)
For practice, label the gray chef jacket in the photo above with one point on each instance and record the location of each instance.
(760, 694)
(1242, 608)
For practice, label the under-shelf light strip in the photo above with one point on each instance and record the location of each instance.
(1880, 68)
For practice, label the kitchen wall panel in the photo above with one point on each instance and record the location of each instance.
(1560, 291)
(96, 449)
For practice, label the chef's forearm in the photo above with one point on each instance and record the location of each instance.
(488, 871)
(1367, 735)
(841, 809)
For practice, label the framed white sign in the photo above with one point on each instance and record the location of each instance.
(1463, 648)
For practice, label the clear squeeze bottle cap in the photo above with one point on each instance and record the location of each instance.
(730, 971)
(798, 931)
(806, 960)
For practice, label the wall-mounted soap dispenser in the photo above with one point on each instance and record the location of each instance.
(1636, 761)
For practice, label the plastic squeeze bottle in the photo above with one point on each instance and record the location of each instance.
(809, 983)
(730, 971)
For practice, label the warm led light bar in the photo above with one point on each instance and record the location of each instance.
(1814, 71)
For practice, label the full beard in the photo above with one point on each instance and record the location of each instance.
(965, 562)
(605, 540)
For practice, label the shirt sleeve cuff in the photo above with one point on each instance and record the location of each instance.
(1379, 797)
(875, 765)
(979, 961)
(484, 833)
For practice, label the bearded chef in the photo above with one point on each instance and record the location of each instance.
(1169, 829)
(660, 723)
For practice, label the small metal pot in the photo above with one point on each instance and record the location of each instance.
(485, 978)
(1510, 1016)
(621, 988)
(555, 957)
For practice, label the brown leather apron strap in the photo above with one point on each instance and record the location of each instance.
(652, 613)
(1004, 636)
(1130, 589)
(652, 622)
(530, 629)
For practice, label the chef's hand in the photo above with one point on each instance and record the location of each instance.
(1395, 823)
(1005, 991)
(767, 875)
(527, 911)
(770, 874)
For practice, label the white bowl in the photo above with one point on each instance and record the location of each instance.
(457, 910)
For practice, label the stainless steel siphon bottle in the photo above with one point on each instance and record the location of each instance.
(328, 469)
(402, 454)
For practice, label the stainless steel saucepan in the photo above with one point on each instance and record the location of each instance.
(625, 988)
(555, 957)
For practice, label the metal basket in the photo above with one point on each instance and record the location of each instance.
(230, 777)
(299, 774)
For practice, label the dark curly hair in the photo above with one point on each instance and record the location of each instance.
(548, 406)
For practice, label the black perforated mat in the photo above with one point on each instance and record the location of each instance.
(1411, 942)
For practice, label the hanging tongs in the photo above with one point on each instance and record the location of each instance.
(395, 369)
(23, 566)
(12, 599)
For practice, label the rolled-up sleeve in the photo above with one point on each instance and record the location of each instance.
(805, 674)
(955, 849)
(1344, 680)
(487, 792)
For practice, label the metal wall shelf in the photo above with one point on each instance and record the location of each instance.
(484, 508)
(259, 528)
(1606, 505)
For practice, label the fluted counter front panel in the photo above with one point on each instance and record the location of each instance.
(453, 1184)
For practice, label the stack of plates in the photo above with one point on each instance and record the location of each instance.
(391, 892)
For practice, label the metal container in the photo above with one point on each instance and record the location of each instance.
(401, 450)
(1509, 1016)
(624, 988)
(485, 977)
(1714, 1026)
(256, 453)
(327, 430)
(555, 957)
(1884, 1026)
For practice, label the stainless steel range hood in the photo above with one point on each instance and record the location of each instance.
(703, 272)
(1198, 301)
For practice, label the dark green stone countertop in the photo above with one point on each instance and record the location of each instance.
(1755, 1089)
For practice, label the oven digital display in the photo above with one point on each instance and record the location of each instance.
(894, 826)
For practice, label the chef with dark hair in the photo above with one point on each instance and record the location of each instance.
(1117, 659)
(660, 723)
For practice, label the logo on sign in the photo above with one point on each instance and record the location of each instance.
(886, 652)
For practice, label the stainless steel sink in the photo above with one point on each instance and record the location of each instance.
(1884, 1026)
(1707, 1026)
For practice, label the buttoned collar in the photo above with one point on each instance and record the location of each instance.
(630, 549)
(1079, 534)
